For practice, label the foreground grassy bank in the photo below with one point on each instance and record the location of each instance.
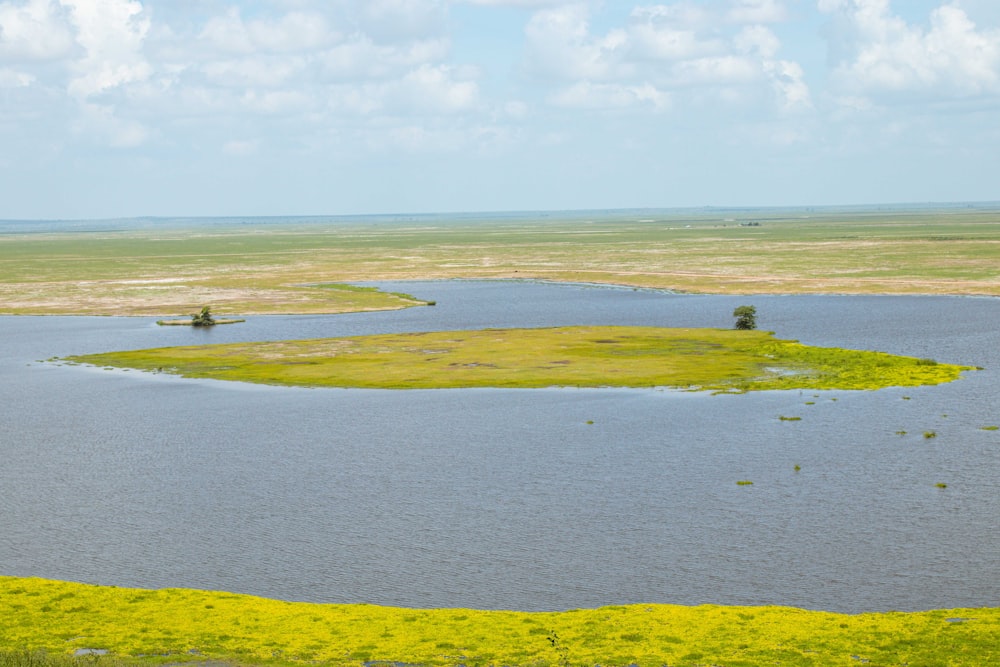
(174, 625)
(583, 356)
(168, 267)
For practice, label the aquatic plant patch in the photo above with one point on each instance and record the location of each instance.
(181, 625)
(582, 356)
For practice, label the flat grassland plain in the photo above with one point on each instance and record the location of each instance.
(299, 265)
(174, 267)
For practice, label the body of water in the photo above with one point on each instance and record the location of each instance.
(512, 498)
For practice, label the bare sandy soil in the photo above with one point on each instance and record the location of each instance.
(167, 298)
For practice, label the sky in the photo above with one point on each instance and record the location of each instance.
(122, 108)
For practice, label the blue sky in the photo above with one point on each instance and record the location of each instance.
(118, 108)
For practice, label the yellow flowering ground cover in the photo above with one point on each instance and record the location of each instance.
(180, 625)
(582, 356)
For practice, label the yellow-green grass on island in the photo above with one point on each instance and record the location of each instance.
(580, 356)
(175, 625)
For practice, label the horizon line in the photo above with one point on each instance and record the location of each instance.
(874, 206)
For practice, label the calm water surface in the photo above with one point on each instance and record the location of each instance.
(510, 498)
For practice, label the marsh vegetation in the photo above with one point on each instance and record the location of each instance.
(43, 618)
(599, 356)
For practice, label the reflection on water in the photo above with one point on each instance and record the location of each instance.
(512, 498)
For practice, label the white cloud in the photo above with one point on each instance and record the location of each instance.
(361, 59)
(77, 54)
(295, 31)
(361, 99)
(786, 77)
(447, 137)
(589, 95)
(559, 45)
(10, 78)
(100, 122)
(680, 15)
(344, 64)
(663, 50)
(228, 32)
(35, 30)
(240, 148)
(132, 65)
(880, 54)
(396, 20)
(981, 11)
(276, 101)
(320, 85)
(757, 11)
(757, 39)
(416, 138)
(513, 3)
(425, 90)
(111, 33)
(435, 88)
(253, 71)
(661, 33)
(720, 70)
(788, 82)
(516, 109)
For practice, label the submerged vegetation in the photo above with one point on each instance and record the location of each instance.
(183, 625)
(582, 356)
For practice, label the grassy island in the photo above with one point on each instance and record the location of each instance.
(174, 626)
(188, 322)
(580, 356)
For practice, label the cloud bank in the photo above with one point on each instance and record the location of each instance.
(484, 79)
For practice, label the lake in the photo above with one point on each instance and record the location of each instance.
(512, 499)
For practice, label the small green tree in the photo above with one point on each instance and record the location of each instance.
(202, 319)
(746, 317)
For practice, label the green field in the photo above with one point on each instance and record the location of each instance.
(183, 625)
(586, 356)
(173, 267)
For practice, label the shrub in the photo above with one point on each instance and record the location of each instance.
(202, 319)
(746, 317)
